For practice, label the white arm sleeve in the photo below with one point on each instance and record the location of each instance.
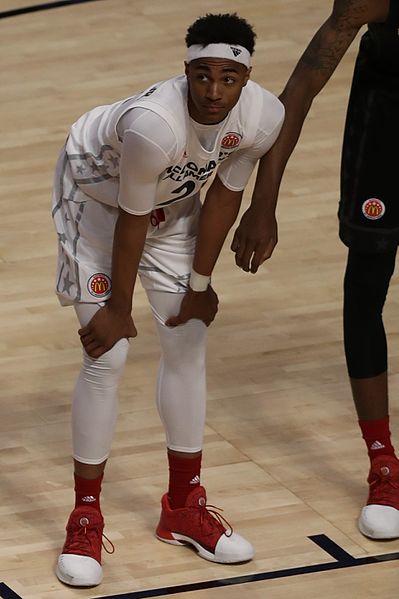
(236, 170)
(148, 147)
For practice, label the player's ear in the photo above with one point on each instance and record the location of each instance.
(247, 75)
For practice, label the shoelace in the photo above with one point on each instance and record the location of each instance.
(110, 551)
(383, 485)
(80, 537)
(214, 515)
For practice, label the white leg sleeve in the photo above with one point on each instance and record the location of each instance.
(181, 386)
(95, 399)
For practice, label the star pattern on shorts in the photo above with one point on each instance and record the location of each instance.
(61, 237)
(80, 169)
(67, 284)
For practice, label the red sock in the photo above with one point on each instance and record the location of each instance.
(184, 476)
(377, 436)
(87, 492)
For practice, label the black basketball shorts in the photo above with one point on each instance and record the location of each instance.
(369, 205)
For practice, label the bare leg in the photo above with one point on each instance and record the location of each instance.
(371, 397)
(89, 471)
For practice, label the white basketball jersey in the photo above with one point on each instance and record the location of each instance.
(94, 147)
(169, 166)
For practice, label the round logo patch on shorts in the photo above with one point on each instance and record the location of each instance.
(373, 209)
(99, 285)
(231, 140)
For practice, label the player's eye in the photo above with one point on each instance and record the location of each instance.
(230, 80)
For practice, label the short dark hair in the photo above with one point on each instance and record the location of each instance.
(226, 28)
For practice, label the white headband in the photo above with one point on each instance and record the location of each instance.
(236, 53)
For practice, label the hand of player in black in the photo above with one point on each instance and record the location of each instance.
(255, 239)
(202, 305)
(104, 330)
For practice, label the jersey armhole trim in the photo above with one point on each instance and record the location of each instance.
(228, 186)
(135, 212)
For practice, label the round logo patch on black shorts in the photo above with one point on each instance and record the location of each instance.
(373, 209)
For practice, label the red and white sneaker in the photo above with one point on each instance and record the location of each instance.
(80, 561)
(379, 519)
(202, 527)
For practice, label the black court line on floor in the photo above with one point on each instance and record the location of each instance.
(37, 7)
(343, 560)
(7, 593)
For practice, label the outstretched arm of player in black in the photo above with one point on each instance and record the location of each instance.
(256, 236)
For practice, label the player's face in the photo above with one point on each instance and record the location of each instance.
(214, 86)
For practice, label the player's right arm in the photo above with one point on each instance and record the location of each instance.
(143, 159)
(114, 321)
(313, 70)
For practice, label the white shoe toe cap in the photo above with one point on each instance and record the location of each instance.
(233, 549)
(379, 522)
(79, 570)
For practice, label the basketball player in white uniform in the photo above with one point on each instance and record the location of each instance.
(126, 202)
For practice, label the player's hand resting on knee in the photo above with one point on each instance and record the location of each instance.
(254, 239)
(202, 305)
(104, 330)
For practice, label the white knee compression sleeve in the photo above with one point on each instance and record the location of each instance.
(95, 400)
(181, 386)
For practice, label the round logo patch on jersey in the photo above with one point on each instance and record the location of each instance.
(373, 209)
(99, 285)
(231, 140)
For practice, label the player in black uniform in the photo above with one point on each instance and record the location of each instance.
(368, 215)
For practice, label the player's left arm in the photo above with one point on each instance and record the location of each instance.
(218, 214)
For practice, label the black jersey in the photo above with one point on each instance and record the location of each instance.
(380, 44)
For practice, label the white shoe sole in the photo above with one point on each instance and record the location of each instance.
(88, 572)
(221, 556)
(379, 522)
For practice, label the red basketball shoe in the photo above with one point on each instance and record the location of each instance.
(80, 561)
(202, 527)
(379, 519)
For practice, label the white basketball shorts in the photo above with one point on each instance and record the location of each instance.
(85, 229)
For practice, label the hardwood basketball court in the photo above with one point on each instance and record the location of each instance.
(283, 455)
